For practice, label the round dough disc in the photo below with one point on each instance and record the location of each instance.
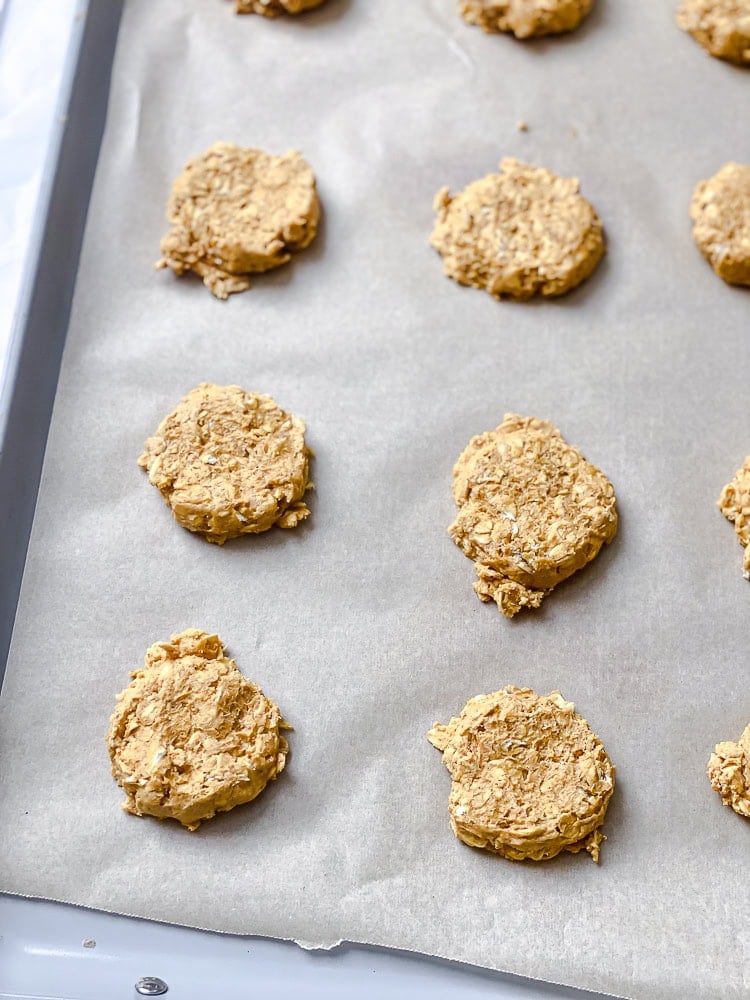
(229, 463)
(526, 18)
(522, 232)
(721, 26)
(720, 211)
(190, 736)
(529, 778)
(532, 511)
(237, 211)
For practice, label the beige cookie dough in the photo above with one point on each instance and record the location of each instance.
(720, 211)
(526, 18)
(529, 778)
(190, 736)
(729, 773)
(734, 503)
(721, 26)
(272, 8)
(229, 463)
(531, 511)
(522, 232)
(236, 211)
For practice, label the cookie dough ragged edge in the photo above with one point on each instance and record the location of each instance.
(190, 736)
(531, 511)
(729, 773)
(734, 503)
(529, 778)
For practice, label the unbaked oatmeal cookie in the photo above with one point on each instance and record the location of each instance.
(720, 211)
(229, 463)
(531, 511)
(529, 779)
(522, 232)
(721, 26)
(190, 736)
(236, 212)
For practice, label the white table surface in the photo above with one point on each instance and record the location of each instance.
(34, 39)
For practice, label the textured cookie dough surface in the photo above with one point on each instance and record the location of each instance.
(532, 511)
(235, 212)
(190, 736)
(729, 772)
(522, 232)
(272, 8)
(526, 18)
(734, 503)
(720, 211)
(529, 778)
(721, 26)
(229, 463)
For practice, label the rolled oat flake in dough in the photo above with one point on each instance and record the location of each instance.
(272, 8)
(529, 778)
(190, 736)
(235, 212)
(721, 26)
(729, 773)
(229, 463)
(522, 232)
(734, 503)
(526, 18)
(720, 211)
(531, 511)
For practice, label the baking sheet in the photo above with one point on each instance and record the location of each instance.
(362, 623)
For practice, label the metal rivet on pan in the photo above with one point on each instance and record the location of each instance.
(151, 986)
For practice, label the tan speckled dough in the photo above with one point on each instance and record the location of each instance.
(720, 211)
(531, 511)
(734, 503)
(229, 463)
(237, 211)
(190, 736)
(729, 772)
(522, 232)
(529, 778)
(526, 18)
(721, 26)
(272, 8)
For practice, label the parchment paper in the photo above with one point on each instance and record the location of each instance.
(362, 624)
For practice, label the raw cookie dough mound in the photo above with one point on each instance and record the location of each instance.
(721, 26)
(529, 778)
(272, 8)
(729, 771)
(734, 503)
(720, 211)
(235, 212)
(190, 736)
(229, 463)
(522, 232)
(526, 18)
(532, 511)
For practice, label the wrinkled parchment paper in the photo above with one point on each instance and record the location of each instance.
(362, 624)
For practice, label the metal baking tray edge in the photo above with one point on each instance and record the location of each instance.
(49, 950)
(41, 319)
